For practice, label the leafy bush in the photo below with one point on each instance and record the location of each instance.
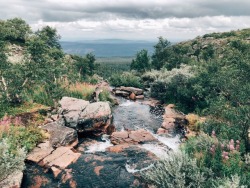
(126, 79)
(172, 86)
(106, 96)
(222, 157)
(11, 160)
(233, 182)
(15, 30)
(176, 170)
(23, 137)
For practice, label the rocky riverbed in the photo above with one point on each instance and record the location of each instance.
(91, 145)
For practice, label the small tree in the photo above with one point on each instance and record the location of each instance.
(159, 56)
(142, 61)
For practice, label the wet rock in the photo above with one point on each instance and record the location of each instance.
(60, 158)
(121, 93)
(117, 148)
(131, 137)
(132, 96)
(168, 123)
(60, 135)
(173, 121)
(141, 135)
(134, 90)
(96, 170)
(162, 131)
(140, 97)
(56, 171)
(151, 102)
(14, 180)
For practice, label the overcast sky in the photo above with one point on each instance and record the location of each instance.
(131, 19)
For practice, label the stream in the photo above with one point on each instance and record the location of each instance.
(98, 168)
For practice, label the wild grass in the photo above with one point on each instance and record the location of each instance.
(81, 90)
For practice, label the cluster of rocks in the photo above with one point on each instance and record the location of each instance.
(74, 115)
(129, 92)
(173, 122)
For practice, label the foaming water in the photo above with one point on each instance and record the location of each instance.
(127, 103)
(172, 142)
(159, 150)
(130, 115)
(132, 169)
(99, 146)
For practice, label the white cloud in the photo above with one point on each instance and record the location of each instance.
(131, 19)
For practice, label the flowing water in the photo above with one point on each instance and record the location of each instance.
(98, 168)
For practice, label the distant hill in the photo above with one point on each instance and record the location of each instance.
(107, 48)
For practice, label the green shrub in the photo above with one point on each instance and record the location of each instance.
(106, 96)
(172, 86)
(222, 157)
(176, 170)
(23, 137)
(233, 182)
(126, 79)
(11, 160)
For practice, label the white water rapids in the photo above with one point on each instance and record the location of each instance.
(132, 116)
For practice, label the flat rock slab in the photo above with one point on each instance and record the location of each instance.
(40, 152)
(134, 90)
(60, 158)
(132, 137)
(121, 93)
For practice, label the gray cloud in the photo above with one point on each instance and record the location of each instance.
(131, 18)
(55, 10)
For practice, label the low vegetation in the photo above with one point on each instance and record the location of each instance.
(208, 76)
(126, 79)
(34, 74)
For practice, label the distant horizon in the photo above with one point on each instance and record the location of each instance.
(117, 40)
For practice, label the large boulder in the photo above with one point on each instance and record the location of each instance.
(71, 109)
(84, 116)
(60, 135)
(95, 117)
